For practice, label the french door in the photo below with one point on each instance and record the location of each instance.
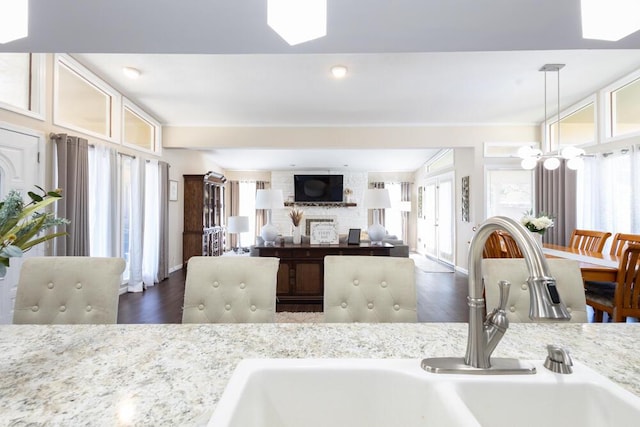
(438, 207)
(20, 171)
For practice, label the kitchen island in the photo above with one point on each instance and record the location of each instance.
(175, 374)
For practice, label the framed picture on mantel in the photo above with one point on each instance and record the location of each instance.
(324, 233)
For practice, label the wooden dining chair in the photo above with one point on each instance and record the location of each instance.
(588, 240)
(493, 247)
(621, 241)
(511, 248)
(620, 299)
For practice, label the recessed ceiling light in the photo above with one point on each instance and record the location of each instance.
(132, 73)
(339, 71)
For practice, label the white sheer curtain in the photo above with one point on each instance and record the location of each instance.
(608, 186)
(136, 225)
(150, 251)
(103, 193)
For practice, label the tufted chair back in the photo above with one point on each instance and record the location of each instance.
(369, 289)
(565, 271)
(230, 289)
(68, 290)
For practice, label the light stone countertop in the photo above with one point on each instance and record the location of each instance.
(155, 375)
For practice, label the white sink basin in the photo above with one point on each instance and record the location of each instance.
(372, 393)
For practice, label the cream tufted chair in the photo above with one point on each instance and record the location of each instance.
(369, 289)
(68, 290)
(230, 290)
(565, 271)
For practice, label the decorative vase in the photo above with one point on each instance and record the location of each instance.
(538, 238)
(297, 238)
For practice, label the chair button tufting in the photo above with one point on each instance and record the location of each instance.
(343, 305)
(512, 309)
(242, 286)
(356, 282)
(78, 285)
(253, 308)
(227, 307)
(50, 285)
(216, 284)
(63, 308)
(523, 287)
(396, 307)
(569, 309)
(383, 284)
(35, 308)
(370, 305)
(89, 308)
(201, 307)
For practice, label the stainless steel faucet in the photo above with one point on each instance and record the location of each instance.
(485, 335)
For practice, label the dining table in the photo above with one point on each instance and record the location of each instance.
(594, 266)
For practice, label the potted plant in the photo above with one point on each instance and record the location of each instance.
(20, 223)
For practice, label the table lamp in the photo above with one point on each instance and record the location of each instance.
(376, 199)
(238, 225)
(269, 199)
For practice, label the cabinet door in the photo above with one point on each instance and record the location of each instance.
(309, 278)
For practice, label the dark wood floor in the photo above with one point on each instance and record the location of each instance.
(442, 297)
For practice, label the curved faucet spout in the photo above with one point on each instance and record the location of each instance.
(545, 301)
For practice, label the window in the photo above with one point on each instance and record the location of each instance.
(393, 216)
(125, 211)
(576, 128)
(82, 101)
(140, 130)
(22, 83)
(607, 192)
(509, 192)
(625, 109)
(248, 208)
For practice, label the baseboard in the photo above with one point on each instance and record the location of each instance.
(462, 270)
(175, 268)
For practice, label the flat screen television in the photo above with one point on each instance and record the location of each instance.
(318, 188)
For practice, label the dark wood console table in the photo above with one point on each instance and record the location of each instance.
(301, 273)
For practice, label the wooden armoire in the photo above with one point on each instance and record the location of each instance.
(204, 229)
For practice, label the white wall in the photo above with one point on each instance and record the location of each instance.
(346, 217)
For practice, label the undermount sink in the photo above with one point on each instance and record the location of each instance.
(372, 393)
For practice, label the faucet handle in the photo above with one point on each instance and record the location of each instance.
(558, 360)
(504, 286)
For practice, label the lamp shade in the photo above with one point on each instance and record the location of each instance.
(377, 198)
(238, 224)
(269, 199)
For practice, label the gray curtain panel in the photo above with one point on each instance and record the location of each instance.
(234, 208)
(405, 196)
(556, 196)
(72, 155)
(163, 242)
(261, 219)
(370, 214)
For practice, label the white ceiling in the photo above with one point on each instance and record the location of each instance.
(411, 62)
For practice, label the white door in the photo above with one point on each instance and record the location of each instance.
(439, 211)
(19, 170)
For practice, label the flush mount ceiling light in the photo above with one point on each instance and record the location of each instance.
(298, 21)
(14, 20)
(130, 72)
(609, 20)
(339, 71)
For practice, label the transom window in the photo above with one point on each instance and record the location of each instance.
(22, 83)
(577, 128)
(625, 109)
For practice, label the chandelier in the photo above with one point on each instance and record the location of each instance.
(531, 156)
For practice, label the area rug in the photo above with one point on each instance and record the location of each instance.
(427, 265)
(302, 317)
